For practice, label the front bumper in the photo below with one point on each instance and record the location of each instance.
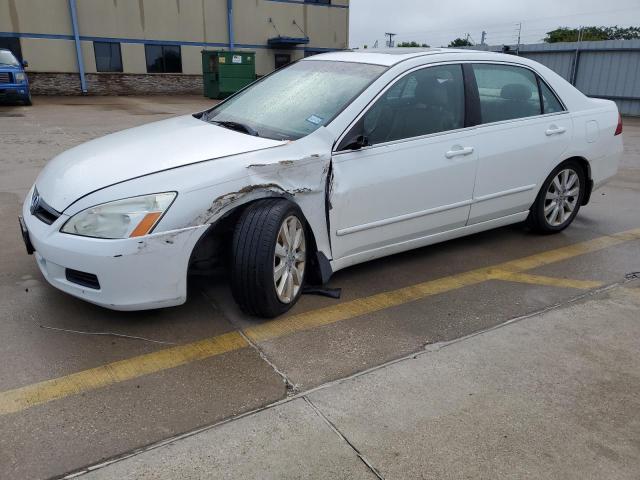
(14, 91)
(133, 274)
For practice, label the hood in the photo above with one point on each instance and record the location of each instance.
(138, 151)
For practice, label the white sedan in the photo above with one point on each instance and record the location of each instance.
(335, 160)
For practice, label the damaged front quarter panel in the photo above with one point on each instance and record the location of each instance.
(289, 172)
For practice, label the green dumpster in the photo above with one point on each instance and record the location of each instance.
(224, 73)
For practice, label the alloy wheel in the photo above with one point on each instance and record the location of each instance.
(562, 197)
(289, 259)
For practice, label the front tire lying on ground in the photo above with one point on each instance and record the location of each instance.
(559, 199)
(268, 257)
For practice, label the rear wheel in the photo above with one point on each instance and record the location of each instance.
(559, 199)
(268, 257)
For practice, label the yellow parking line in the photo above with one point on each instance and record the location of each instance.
(342, 311)
(22, 398)
(544, 280)
(19, 399)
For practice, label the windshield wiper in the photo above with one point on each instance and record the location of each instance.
(240, 127)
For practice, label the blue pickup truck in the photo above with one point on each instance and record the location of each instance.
(14, 84)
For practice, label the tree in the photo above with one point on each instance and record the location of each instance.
(461, 42)
(413, 44)
(566, 34)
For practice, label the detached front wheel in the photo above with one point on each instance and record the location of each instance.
(269, 253)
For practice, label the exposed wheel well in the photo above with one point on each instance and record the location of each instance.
(586, 168)
(213, 249)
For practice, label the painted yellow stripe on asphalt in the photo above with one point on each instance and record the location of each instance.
(548, 281)
(38, 393)
(343, 311)
(19, 399)
(570, 251)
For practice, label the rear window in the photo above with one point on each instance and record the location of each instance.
(550, 102)
(506, 92)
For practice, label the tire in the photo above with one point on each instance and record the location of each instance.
(555, 193)
(257, 251)
(27, 101)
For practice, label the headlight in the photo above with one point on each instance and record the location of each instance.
(130, 217)
(20, 77)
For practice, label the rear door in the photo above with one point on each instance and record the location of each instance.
(415, 177)
(523, 133)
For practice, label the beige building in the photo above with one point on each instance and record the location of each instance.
(154, 46)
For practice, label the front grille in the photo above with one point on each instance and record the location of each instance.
(85, 279)
(41, 210)
(5, 77)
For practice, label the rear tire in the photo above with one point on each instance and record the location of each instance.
(267, 270)
(559, 199)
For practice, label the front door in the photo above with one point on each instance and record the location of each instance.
(406, 169)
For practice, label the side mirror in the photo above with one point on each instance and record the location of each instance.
(25, 64)
(359, 142)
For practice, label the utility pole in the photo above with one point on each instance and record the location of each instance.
(576, 58)
(390, 41)
(519, 35)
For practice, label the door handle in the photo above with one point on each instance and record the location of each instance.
(458, 151)
(554, 130)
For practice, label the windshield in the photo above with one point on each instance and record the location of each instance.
(296, 100)
(7, 58)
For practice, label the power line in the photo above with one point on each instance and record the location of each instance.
(530, 20)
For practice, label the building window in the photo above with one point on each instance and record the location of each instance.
(108, 56)
(163, 58)
(282, 60)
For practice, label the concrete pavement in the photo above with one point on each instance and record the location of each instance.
(63, 408)
(555, 395)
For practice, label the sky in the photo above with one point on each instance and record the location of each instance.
(436, 23)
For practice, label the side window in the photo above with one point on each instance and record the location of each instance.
(506, 92)
(550, 102)
(427, 101)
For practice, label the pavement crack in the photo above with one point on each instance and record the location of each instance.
(291, 388)
(107, 334)
(335, 429)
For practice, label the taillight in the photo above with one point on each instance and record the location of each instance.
(619, 127)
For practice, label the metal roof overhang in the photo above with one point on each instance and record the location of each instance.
(287, 42)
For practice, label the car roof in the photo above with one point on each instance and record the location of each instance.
(391, 56)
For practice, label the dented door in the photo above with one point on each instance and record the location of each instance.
(396, 193)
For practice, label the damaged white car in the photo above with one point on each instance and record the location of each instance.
(335, 160)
